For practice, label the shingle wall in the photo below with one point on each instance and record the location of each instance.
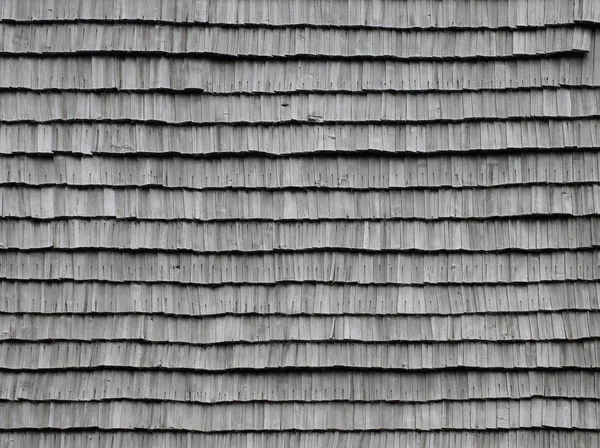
(302, 223)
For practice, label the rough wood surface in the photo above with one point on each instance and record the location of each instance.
(299, 223)
(160, 73)
(291, 42)
(286, 139)
(534, 438)
(368, 13)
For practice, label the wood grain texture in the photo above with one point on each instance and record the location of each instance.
(158, 73)
(61, 355)
(291, 42)
(535, 438)
(285, 139)
(302, 387)
(420, 203)
(560, 413)
(331, 266)
(226, 330)
(285, 236)
(387, 107)
(94, 297)
(299, 223)
(309, 172)
(377, 13)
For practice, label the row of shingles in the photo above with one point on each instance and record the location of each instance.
(226, 330)
(121, 140)
(354, 13)
(355, 386)
(151, 73)
(100, 298)
(358, 172)
(297, 205)
(267, 416)
(19, 39)
(365, 439)
(386, 107)
(330, 266)
(531, 234)
(211, 428)
(265, 357)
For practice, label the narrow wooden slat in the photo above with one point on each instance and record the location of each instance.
(589, 10)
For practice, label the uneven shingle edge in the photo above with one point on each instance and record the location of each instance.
(527, 136)
(299, 356)
(303, 386)
(541, 234)
(97, 438)
(328, 173)
(168, 299)
(371, 108)
(372, 13)
(268, 205)
(330, 267)
(212, 331)
(167, 73)
(282, 110)
(62, 39)
(534, 413)
(558, 322)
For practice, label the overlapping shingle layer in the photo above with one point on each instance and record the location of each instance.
(300, 223)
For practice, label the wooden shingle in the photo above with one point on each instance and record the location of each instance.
(278, 223)
(380, 13)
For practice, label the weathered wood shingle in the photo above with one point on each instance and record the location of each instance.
(298, 223)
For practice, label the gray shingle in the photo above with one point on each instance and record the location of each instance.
(341, 223)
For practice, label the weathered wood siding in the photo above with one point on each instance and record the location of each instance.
(300, 223)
